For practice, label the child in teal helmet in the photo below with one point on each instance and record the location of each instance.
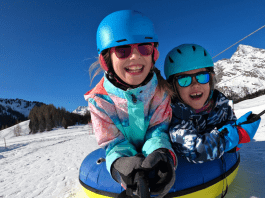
(203, 125)
(130, 106)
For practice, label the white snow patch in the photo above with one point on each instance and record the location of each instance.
(47, 164)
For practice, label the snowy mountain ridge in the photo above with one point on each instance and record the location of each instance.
(19, 105)
(243, 73)
(12, 110)
(81, 110)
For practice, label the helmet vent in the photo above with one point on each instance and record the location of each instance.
(170, 59)
(194, 48)
(179, 51)
(205, 54)
(148, 37)
(121, 40)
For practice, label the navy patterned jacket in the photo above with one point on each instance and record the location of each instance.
(195, 136)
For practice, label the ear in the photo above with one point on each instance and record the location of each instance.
(156, 54)
(103, 63)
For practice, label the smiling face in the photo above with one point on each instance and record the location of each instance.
(196, 94)
(134, 69)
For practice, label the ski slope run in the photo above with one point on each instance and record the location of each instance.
(47, 164)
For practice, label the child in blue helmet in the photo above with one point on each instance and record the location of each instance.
(203, 125)
(130, 106)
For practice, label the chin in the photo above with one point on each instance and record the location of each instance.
(134, 82)
(197, 106)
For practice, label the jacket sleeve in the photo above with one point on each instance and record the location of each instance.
(157, 134)
(195, 147)
(108, 135)
(199, 147)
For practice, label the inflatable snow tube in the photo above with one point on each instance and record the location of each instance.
(206, 180)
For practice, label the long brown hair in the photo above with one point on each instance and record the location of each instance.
(163, 85)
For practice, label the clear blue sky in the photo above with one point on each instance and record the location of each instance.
(47, 46)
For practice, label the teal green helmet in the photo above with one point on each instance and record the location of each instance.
(186, 57)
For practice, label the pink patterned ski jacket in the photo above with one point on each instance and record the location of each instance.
(129, 122)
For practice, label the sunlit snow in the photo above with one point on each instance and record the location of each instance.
(47, 164)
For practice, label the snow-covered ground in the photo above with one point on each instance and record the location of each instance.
(47, 164)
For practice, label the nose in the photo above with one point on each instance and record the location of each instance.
(194, 81)
(135, 54)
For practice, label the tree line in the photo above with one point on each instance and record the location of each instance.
(250, 96)
(47, 117)
(231, 95)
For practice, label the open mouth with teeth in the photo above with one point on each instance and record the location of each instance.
(196, 95)
(135, 69)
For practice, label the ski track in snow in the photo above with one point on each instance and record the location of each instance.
(47, 164)
(44, 167)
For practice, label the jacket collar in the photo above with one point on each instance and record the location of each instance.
(149, 88)
(105, 87)
(98, 89)
(183, 111)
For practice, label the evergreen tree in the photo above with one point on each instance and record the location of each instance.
(64, 123)
(42, 123)
(87, 117)
(56, 119)
(35, 124)
(49, 122)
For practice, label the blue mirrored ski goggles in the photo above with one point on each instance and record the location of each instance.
(186, 79)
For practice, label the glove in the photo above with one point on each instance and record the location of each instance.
(230, 135)
(123, 170)
(160, 168)
(247, 125)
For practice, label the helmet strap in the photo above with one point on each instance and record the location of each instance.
(176, 91)
(103, 62)
(211, 95)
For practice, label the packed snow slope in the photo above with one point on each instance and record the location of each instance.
(46, 165)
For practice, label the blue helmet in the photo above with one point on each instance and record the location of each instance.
(186, 57)
(124, 27)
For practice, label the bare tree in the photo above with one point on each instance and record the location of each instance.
(17, 130)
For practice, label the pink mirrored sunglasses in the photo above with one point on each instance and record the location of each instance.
(124, 51)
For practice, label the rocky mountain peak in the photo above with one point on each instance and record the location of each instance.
(248, 52)
(243, 73)
(81, 110)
